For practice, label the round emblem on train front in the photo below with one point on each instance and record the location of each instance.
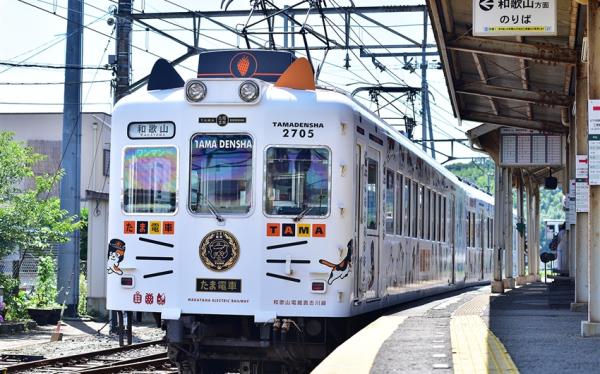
(219, 250)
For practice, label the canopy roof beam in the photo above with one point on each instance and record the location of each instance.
(515, 94)
(535, 52)
(514, 122)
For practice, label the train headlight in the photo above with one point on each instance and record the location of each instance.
(249, 91)
(195, 91)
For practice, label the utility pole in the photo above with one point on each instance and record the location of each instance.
(70, 185)
(123, 49)
(425, 112)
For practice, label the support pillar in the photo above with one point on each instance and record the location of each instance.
(509, 281)
(536, 231)
(522, 277)
(497, 284)
(531, 225)
(591, 327)
(581, 223)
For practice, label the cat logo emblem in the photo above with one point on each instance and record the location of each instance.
(219, 250)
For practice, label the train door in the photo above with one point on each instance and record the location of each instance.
(373, 204)
(452, 235)
(359, 229)
(482, 242)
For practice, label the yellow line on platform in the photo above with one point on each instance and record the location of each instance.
(357, 354)
(475, 349)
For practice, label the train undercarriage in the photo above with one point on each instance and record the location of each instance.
(235, 344)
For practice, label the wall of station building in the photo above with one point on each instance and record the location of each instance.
(43, 132)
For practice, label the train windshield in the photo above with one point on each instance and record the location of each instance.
(221, 174)
(150, 180)
(297, 181)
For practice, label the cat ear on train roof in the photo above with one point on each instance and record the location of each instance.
(299, 75)
(164, 76)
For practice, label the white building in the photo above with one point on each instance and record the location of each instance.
(43, 132)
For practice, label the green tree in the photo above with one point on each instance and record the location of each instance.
(30, 219)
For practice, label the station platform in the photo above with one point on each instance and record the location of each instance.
(529, 329)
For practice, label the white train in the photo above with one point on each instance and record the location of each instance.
(258, 214)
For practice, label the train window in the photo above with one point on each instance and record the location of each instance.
(150, 180)
(444, 219)
(468, 229)
(372, 194)
(427, 214)
(414, 213)
(399, 204)
(220, 174)
(390, 214)
(436, 217)
(421, 212)
(297, 181)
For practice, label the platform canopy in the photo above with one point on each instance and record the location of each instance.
(525, 82)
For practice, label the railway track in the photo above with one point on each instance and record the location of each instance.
(147, 356)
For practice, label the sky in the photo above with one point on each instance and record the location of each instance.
(35, 33)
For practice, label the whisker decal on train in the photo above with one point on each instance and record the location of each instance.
(153, 258)
(258, 168)
(284, 245)
(278, 276)
(159, 274)
(157, 242)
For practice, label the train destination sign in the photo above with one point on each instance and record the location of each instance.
(514, 17)
(151, 130)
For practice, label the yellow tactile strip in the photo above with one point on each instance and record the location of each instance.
(475, 349)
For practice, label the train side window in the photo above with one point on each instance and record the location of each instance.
(150, 179)
(421, 201)
(436, 215)
(426, 215)
(220, 174)
(414, 214)
(372, 203)
(444, 219)
(297, 181)
(408, 221)
(390, 191)
(468, 231)
(399, 203)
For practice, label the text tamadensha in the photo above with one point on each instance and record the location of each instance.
(223, 143)
(312, 125)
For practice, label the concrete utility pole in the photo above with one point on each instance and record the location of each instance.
(123, 49)
(581, 225)
(425, 111)
(591, 327)
(70, 185)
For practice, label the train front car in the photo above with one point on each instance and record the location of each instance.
(232, 217)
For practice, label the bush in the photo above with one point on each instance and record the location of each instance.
(45, 292)
(83, 292)
(14, 300)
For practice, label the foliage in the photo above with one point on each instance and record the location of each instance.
(83, 234)
(16, 307)
(45, 292)
(30, 219)
(83, 293)
(480, 174)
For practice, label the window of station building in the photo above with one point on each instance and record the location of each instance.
(399, 204)
(372, 167)
(390, 192)
(297, 181)
(150, 180)
(220, 174)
